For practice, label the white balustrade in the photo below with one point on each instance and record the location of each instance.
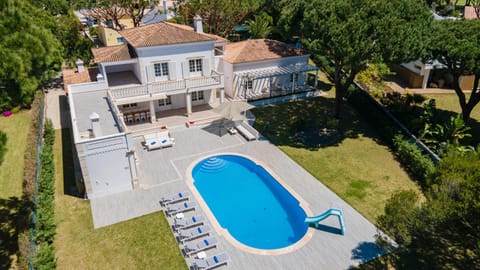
(165, 86)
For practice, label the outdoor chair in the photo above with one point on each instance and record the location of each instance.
(210, 263)
(194, 233)
(186, 223)
(201, 245)
(173, 209)
(178, 197)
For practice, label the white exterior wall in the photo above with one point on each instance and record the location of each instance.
(178, 54)
(107, 168)
(227, 69)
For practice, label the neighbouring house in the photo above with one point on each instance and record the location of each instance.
(109, 36)
(430, 74)
(164, 69)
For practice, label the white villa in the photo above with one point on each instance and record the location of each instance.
(165, 69)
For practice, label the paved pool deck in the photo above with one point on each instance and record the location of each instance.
(164, 172)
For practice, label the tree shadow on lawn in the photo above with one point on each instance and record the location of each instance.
(14, 219)
(310, 124)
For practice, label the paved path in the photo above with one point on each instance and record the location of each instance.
(56, 105)
(398, 87)
(166, 172)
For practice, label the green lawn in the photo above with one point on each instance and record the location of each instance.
(142, 243)
(353, 163)
(11, 170)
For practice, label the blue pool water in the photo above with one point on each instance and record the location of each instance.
(247, 201)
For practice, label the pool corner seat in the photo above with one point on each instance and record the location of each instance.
(158, 140)
(211, 262)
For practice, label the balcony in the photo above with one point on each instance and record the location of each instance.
(158, 90)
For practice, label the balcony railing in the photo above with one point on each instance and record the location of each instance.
(147, 90)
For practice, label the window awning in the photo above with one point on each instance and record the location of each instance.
(274, 71)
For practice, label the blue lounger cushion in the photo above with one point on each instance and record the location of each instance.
(215, 259)
(164, 141)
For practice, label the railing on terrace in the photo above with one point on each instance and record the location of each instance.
(166, 86)
(161, 87)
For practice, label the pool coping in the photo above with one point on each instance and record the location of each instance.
(224, 232)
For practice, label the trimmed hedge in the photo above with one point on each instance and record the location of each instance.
(419, 166)
(44, 257)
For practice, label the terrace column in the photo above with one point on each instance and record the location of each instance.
(153, 117)
(222, 96)
(316, 80)
(188, 102)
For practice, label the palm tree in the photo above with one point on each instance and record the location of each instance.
(259, 27)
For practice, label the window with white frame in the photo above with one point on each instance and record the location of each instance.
(120, 40)
(197, 96)
(195, 65)
(165, 102)
(161, 69)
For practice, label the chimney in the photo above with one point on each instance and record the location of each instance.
(80, 67)
(197, 24)
(95, 125)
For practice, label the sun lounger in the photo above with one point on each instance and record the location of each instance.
(201, 245)
(193, 233)
(185, 223)
(210, 263)
(173, 209)
(180, 196)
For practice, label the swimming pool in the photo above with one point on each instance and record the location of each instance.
(249, 202)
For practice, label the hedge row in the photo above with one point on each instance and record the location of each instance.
(417, 163)
(44, 257)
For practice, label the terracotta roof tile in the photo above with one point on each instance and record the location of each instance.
(111, 53)
(189, 28)
(257, 50)
(71, 76)
(161, 34)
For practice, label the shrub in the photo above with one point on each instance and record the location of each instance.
(45, 257)
(419, 166)
(3, 145)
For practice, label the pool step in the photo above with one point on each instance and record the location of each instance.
(214, 164)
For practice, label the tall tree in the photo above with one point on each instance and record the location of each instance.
(443, 232)
(219, 16)
(353, 33)
(456, 45)
(30, 53)
(117, 9)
